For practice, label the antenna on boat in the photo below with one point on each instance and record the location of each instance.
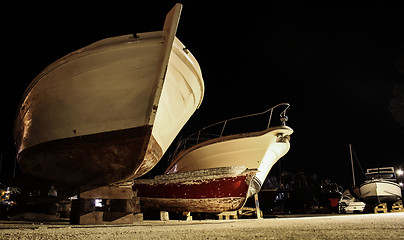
(284, 118)
(352, 165)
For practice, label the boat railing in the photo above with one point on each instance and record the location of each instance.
(241, 124)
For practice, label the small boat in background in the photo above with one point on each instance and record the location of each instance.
(350, 204)
(380, 186)
(107, 113)
(212, 148)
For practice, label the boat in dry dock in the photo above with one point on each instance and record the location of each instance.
(213, 148)
(380, 186)
(106, 113)
(206, 190)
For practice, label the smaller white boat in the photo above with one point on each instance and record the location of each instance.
(380, 186)
(217, 169)
(217, 146)
(350, 204)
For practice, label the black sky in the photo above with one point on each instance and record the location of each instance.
(337, 68)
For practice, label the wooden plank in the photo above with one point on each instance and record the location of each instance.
(257, 207)
(86, 205)
(97, 218)
(119, 206)
(164, 216)
(91, 218)
(228, 215)
(105, 192)
(187, 216)
(125, 205)
(118, 218)
(138, 217)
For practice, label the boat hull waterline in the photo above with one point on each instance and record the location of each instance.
(107, 112)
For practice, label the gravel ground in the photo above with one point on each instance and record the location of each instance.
(364, 226)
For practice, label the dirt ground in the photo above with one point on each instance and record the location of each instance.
(363, 226)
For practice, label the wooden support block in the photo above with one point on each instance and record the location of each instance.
(97, 218)
(187, 216)
(138, 217)
(75, 212)
(91, 218)
(257, 207)
(248, 212)
(105, 192)
(86, 205)
(119, 206)
(124, 205)
(381, 208)
(397, 207)
(164, 216)
(118, 218)
(228, 215)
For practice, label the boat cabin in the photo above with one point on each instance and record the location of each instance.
(385, 173)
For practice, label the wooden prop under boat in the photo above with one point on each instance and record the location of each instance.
(106, 113)
(208, 190)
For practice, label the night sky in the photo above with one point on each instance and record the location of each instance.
(342, 71)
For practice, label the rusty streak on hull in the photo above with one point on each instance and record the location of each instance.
(98, 159)
(213, 193)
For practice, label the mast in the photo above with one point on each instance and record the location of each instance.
(353, 170)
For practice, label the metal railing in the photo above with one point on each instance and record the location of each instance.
(221, 128)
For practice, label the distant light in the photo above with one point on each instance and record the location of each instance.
(98, 202)
(401, 184)
(400, 172)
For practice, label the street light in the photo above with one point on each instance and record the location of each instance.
(399, 172)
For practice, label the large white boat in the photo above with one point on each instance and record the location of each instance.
(380, 186)
(106, 113)
(253, 149)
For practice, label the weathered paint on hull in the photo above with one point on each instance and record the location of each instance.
(99, 159)
(210, 193)
(214, 205)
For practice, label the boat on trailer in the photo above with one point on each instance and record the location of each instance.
(106, 113)
(380, 186)
(211, 150)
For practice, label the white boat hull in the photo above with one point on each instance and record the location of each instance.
(352, 207)
(107, 112)
(259, 150)
(380, 191)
